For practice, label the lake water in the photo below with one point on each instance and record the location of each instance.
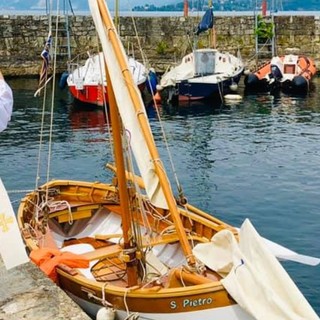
(259, 159)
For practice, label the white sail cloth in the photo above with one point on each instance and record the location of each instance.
(6, 104)
(12, 249)
(127, 111)
(253, 276)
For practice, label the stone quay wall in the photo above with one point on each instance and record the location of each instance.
(157, 41)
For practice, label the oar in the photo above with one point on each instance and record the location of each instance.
(12, 248)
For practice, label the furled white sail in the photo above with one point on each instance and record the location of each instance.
(6, 103)
(253, 276)
(12, 249)
(128, 113)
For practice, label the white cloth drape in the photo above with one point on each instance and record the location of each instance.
(6, 104)
(253, 276)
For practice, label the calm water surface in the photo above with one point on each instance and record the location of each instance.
(258, 159)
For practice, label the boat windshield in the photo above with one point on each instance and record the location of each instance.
(204, 62)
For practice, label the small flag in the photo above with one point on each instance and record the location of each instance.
(45, 55)
(207, 22)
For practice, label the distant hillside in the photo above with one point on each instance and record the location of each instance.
(168, 5)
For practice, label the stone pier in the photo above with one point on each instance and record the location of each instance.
(162, 40)
(26, 293)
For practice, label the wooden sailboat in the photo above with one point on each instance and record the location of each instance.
(130, 248)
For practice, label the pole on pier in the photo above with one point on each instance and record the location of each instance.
(185, 8)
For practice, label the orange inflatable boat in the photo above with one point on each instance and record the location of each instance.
(291, 73)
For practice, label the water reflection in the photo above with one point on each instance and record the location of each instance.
(87, 117)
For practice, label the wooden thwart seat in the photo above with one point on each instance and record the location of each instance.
(103, 252)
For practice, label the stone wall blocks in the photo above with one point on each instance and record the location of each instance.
(24, 36)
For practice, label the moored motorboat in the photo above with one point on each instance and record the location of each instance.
(290, 73)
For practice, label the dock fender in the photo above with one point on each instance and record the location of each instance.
(63, 80)
(300, 82)
(251, 80)
(152, 81)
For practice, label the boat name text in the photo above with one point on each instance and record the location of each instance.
(191, 303)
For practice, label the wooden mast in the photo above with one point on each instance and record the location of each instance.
(212, 32)
(164, 182)
(116, 15)
(122, 184)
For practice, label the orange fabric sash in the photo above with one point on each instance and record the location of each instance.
(48, 259)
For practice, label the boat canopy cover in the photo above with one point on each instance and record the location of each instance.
(183, 71)
(206, 22)
(253, 276)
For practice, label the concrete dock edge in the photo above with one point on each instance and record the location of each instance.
(26, 293)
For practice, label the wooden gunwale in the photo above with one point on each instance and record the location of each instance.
(201, 225)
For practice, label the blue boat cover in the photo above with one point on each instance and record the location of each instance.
(206, 22)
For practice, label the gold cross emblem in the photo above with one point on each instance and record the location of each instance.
(5, 221)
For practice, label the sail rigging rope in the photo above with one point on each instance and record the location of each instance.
(146, 64)
(175, 175)
(41, 139)
(105, 106)
(52, 98)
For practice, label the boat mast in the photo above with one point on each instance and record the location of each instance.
(185, 8)
(141, 116)
(212, 31)
(122, 183)
(116, 15)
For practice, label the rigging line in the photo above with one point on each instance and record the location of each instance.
(41, 138)
(71, 8)
(130, 166)
(105, 106)
(145, 62)
(179, 186)
(48, 3)
(143, 55)
(52, 98)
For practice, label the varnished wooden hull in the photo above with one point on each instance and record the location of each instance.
(180, 295)
(202, 299)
